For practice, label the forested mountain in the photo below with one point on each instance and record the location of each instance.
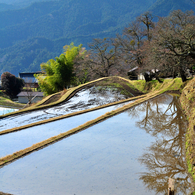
(5, 7)
(67, 18)
(17, 4)
(163, 7)
(35, 33)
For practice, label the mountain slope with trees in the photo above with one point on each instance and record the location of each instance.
(68, 18)
(37, 33)
(163, 7)
(6, 5)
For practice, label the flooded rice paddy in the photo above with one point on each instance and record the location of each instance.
(84, 99)
(4, 110)
(12, 142)
(134, 152)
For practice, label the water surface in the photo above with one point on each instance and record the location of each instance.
(84, 99)
(13, 142)
(4, 110)
(134, 152)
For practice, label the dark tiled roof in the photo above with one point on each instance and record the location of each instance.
(32, 94)
(133, 69)
(28, 76)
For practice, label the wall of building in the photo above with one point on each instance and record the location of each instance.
(24, 100)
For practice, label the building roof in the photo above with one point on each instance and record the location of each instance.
(32, 94)
(29, 73)
(28, 77)
(133, 69)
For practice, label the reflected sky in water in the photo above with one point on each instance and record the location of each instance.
(84, 99)
(4, 110)
(165, 157)
(134, 152)
(13, 142)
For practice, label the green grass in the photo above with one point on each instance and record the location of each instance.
(188, 104)
(140, 85)
(8, 103)
(167, 85)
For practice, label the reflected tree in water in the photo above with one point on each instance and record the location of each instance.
(166, 156)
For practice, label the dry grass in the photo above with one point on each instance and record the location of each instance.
(1, 193)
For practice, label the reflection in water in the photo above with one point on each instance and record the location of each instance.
(12, 142)
(166, 156)
(4, 110)
(85, 99)
(103, 158)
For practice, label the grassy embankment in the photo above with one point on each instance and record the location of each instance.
(187, 100)
(122, 85)
(6, 102)
(188, 104)
(126, 87)
(154, 89)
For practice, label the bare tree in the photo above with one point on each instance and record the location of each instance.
(174, 38)
(134, 37)
(102, 55)
(166, 156)
(82, 67)
(104, 58)
(146, 19)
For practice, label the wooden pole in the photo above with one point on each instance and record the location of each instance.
(171, 186)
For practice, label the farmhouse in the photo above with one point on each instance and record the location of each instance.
(29, 79)
(29, 96)
(135, 75)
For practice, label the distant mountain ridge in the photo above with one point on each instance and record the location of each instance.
(163, 7)
(5, 7)
(37, 32)
(57, 19)
(17, 4)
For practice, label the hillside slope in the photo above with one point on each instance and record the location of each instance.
(56, 19)
(162, 7)
(188, 104)
(53, 24)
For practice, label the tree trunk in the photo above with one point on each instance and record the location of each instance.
(174, 73)
(157, 78)
(182, 74)
(147, 77)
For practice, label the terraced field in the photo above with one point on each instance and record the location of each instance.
(98, 140)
